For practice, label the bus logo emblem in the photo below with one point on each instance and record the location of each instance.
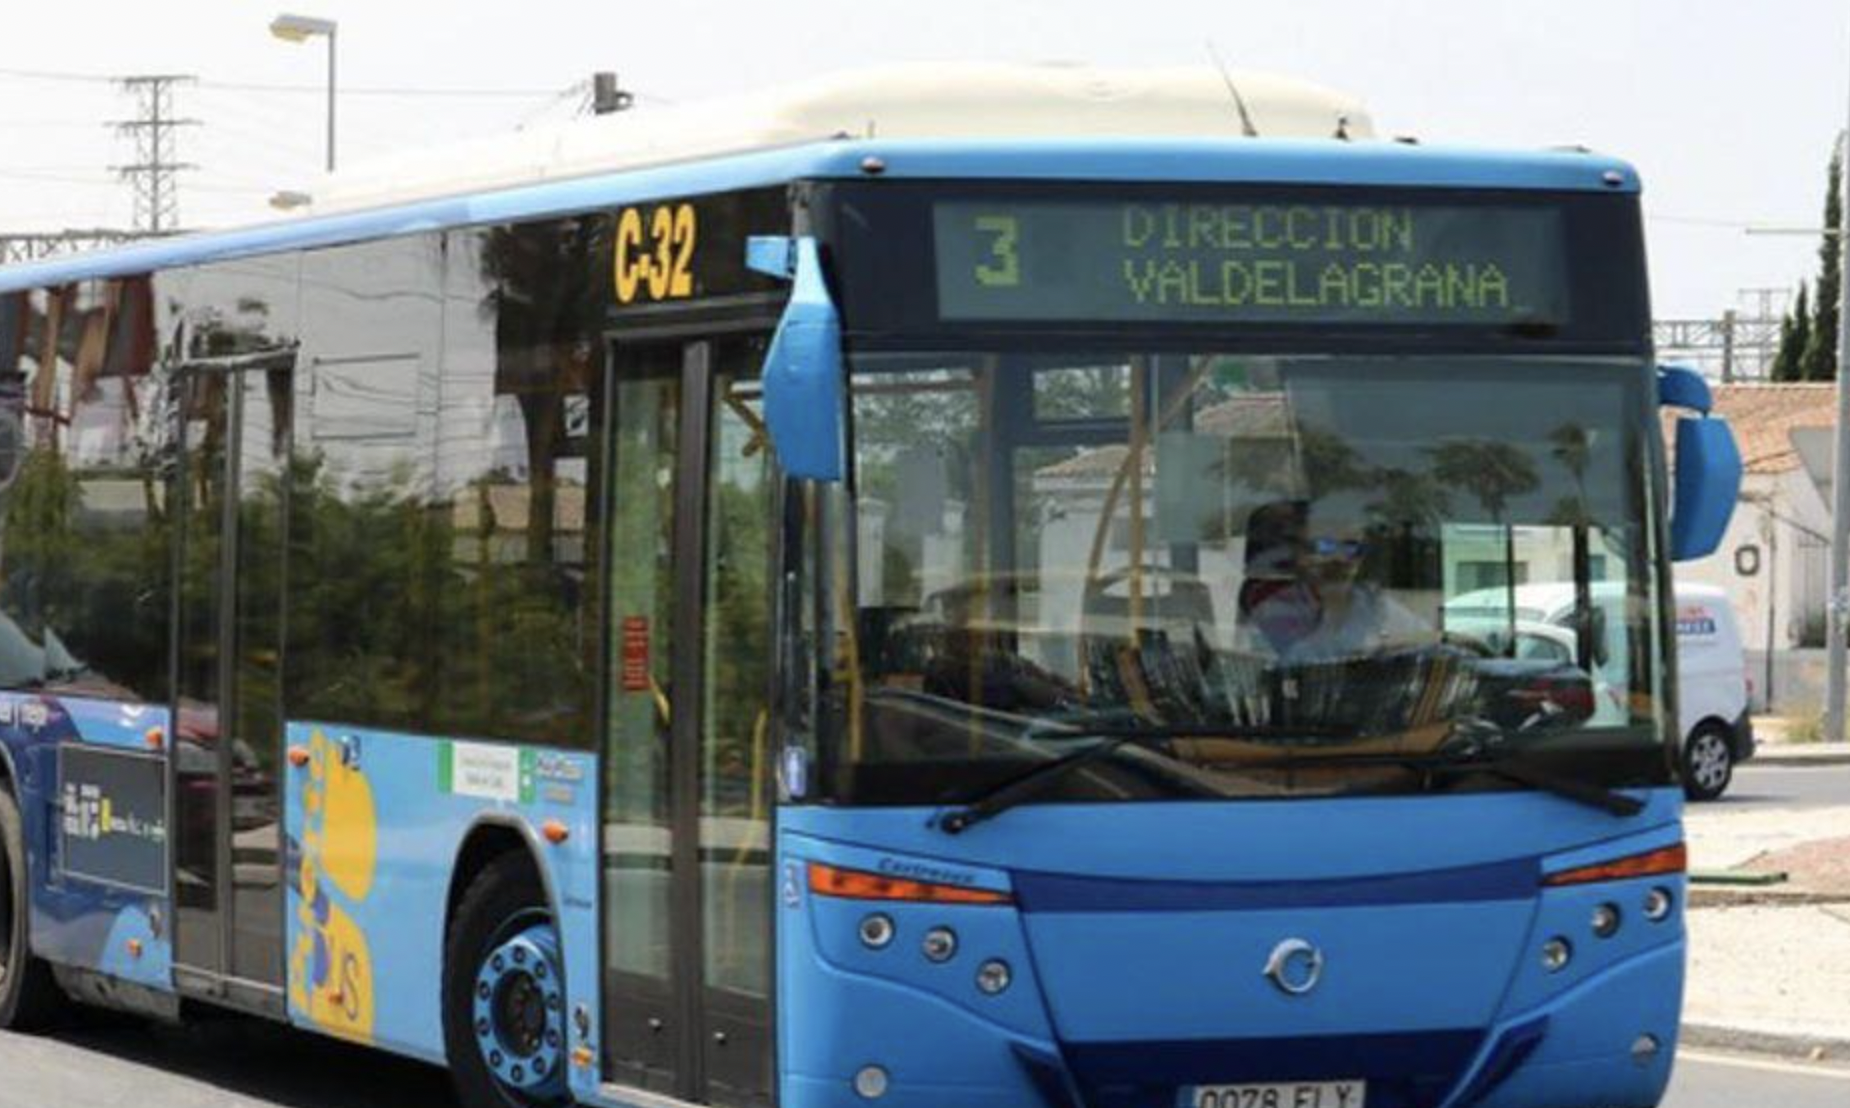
(1295, 967)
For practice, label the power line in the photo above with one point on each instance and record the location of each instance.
(319, 90)
(378, 90)
(1700, 221)
(57, 178)
(37, 124)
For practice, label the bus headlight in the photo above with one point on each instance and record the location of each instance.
(876, 931)
(940, 944)
(1657, 904)
(993, 976)
(870, 1082)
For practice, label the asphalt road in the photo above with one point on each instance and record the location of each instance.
(1787, 786)
(110, 1062)
(1720, 1081)
(246, 1064)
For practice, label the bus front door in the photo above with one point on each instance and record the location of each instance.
(227, 741)
(687, 800)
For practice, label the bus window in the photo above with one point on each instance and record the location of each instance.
(735, 777)
(638, 855)
(1239, 544)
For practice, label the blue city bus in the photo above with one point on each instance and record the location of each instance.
(892, 621)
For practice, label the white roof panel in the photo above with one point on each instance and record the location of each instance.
(967, 100)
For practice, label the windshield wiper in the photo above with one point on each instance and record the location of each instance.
(1034, 782)
(1476, 756)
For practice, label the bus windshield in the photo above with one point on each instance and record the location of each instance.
(1274, 563)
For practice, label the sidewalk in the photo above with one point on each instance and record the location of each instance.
(1777, 749)
(1769, 966)
(1770, 978)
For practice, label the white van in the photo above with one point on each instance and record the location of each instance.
(1712, 690)
(1712, 684)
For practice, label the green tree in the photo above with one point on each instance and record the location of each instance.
(1819, 360)
(1794, 333)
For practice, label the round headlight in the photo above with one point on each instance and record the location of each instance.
(940, 944)
(876, 931)
(1556, 954)
(993, 976)
(1657, 904)
(870, 1082)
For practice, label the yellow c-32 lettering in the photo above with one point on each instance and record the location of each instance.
(654, 253)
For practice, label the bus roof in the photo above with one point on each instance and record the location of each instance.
(971, 100)
(1061, 123)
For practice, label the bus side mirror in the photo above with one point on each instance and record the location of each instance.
(803, 381)
(1708, 467)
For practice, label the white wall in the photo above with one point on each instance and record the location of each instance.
(1775, 514)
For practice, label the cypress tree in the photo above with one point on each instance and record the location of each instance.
(1819, 360)
(1794, 336)
(1786, 359)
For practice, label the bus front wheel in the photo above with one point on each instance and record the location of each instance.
(28, 995)
(504, 994)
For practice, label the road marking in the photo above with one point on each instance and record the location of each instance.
(1803, 1069)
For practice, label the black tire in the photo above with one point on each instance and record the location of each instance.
(1708, 761)
(505, 898)
(29, 998)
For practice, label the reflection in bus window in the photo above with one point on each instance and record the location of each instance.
(1293, 547)
(84, 446)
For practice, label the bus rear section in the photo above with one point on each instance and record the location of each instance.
(1142, 761)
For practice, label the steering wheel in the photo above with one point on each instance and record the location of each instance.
(1094, 594)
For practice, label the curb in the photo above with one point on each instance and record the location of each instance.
(1809, 1048)
(1758, 896)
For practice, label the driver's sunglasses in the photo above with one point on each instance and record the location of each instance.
(1338, 548)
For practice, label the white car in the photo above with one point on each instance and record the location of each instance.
(1712, 683)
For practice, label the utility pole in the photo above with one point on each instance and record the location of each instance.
(157, 202)
(1728, 347)
(1839, 607)
(606, 96)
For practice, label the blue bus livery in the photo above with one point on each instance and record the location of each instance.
(897, 620)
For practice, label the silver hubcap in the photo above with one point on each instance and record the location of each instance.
(1708, 762)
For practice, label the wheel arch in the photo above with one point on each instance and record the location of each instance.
(491, 837)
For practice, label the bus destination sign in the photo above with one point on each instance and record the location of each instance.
(1367, 263)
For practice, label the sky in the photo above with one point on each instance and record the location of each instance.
(1728, 109)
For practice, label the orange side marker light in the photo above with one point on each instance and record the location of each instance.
(298, 756)
(555, 832)
(852, 884)
(154, 738)
(1652, 863)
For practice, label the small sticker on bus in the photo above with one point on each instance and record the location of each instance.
(635, 653)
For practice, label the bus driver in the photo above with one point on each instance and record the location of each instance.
(1304, 596)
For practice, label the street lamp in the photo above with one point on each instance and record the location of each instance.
(301, 28)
